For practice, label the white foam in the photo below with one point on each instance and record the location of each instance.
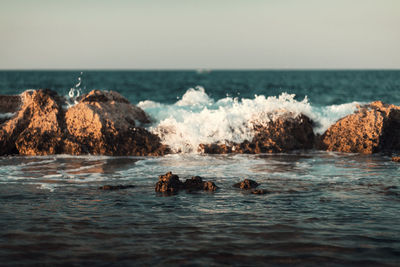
(197, 119)
(7, 115)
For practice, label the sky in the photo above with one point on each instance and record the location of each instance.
(193, 34)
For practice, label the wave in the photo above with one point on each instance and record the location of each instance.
(197, 118)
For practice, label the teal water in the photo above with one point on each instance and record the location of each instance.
(322, 208)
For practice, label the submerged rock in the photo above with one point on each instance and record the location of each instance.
(372, 128)
(102, 123)
(170, 183)
(246, 184)
(282, 133)
(197, 183)
(259, 191)
(115, 187)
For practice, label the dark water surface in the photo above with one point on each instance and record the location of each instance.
(322, 208)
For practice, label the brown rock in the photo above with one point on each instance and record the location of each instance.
(105, 123)
(281, 134)
(246, 184)
(115, 187)
(259, 191)
(170, 183)
(36, 129)
(396, 159)
(372, 128)
(101, 123)
(209, 186)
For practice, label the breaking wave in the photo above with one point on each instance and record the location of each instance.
(197, 118)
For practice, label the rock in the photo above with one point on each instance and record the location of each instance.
(37, 127)
(197, 183)
(168, 183)
(115, 187)
(105, 123)
(284, 132)
(396, 159)
(246, 184)
(372, 128)
(101, 123)
(259, 191)
(209, 186)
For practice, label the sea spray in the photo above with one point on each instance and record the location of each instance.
(74, 92)
(198, 119)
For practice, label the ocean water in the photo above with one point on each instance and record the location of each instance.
(322, 208)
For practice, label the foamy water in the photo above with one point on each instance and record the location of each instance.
(197, 118)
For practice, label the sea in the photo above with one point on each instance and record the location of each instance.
(322, 208)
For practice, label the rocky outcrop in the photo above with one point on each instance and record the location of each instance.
(100, 123)
(105, 123)
(246, 184)
(170, 183)
(282, 134)
(372, 128)
(37, 128)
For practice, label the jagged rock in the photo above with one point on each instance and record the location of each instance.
(37, 128)
(101, 123)
(282, 133)
(105, 123)
(396, 159)
(115, 187)
(246, 184)
(372, 128)
(170, 183)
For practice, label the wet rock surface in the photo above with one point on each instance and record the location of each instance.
(170, 183)
(372, 128)
(102, 123)
(115, 187)
(246, 184)
(396, 159)
(259, 191)
(282, 133)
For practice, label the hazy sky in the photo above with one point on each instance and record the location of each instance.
(189, 34)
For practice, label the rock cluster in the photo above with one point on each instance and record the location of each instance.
(282, 134)
(100, 123)
(170, 183)
(105, 123)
